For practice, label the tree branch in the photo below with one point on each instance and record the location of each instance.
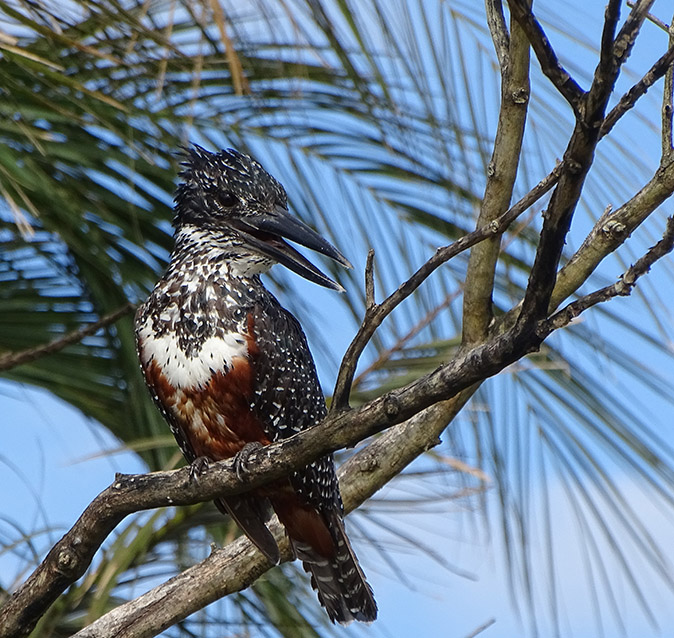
(375, 315)
(13, 359)
(650, 17)
(613, 228)
(611, 17)
(610, 231)
(667, 110)
(625, 39)
(629, 99)
(226, 571)
(498, 29)
(239, 564)
(70, 557)
(369, 281)
(547, 58)
(363, 474)
(622, 287)
(385, 355)
(501, 176)
(579, 156)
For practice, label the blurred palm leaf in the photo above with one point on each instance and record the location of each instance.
(379, 118)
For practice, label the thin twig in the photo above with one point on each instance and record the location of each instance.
(499, 31)
(13, 359)
(611, 17)
(375, 316)
(547, 58)
(579, 154)
(628, 33)
(667, 106)
(369, 280)
(481, 628)
(629, 99)
(622, 287)
(654, 19)
(385, 355)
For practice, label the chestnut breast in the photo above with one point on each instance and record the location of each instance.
(207, 389)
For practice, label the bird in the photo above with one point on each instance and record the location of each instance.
(230, 369)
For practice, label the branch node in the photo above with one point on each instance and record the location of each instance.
(67, 562)
(542, 328)
(623, 287)
(368, 463)
(546, 55)
(614, 229)
(391, 405)
(521, 96)
(123, 481)
(572, 166)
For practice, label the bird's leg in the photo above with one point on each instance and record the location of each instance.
(241, 459)
(198, 467)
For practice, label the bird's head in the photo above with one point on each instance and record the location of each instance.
(230, 194)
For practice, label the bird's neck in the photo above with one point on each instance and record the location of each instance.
(207, 255)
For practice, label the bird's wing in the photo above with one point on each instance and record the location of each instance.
(288, 397)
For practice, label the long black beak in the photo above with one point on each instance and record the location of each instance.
(266, 232)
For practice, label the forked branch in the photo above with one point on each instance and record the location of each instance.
(70, 557)
(375, 314)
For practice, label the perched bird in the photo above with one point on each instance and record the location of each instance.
(228, 366)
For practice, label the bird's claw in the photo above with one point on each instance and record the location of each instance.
(198, 467)
(241, 459)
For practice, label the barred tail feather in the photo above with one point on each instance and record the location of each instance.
(339, 581)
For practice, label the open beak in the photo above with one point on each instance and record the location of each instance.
(266, 232)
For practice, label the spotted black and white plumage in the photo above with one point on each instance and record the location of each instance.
(227, 365)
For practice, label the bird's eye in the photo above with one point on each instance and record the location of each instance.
(226, 198)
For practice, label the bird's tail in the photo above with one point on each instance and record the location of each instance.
(338, 580)
(250, 514)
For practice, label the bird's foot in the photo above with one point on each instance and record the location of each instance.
(241, 459)
(198, 467)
